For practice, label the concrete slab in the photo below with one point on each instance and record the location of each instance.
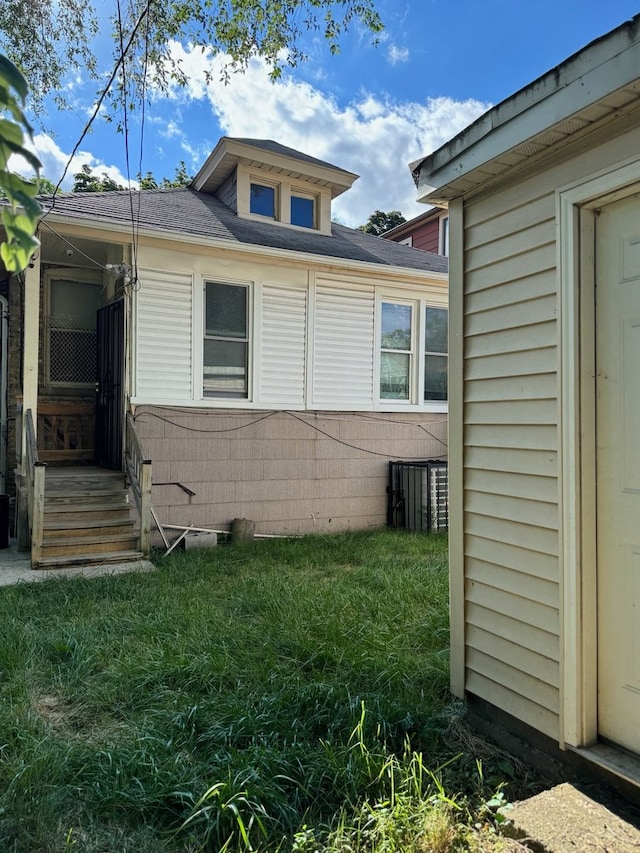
(15, 567)
(565, 820)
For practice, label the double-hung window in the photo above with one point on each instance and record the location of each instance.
(396, 351)
(226, 340)
(413, 352)
(436, 346)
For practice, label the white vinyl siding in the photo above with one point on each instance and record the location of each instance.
(343, 346)
(282, 346)
(510, 455)
(164, 369)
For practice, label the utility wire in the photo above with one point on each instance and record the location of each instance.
(198, 429)
(291, 414)
(123, 53)
(73, 246)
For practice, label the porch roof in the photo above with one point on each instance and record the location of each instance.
(186, 211)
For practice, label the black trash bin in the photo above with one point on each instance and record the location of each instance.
(4, 521)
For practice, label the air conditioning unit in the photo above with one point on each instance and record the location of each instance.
(418, 495)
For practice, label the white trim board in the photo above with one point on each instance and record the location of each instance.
(575, 207)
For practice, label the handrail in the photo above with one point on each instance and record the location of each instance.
(35, 483)
(138, 470)
(32, 445)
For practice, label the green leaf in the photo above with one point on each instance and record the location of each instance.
(12, 78)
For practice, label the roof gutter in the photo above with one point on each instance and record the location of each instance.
(559, 94)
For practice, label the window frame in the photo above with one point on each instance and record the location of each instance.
(411, 352)
(272, 185)
(308, 196)
(416, 401)
(285, 187)
(229, 398)
(436, 353)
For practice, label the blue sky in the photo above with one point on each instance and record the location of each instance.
(370, 110)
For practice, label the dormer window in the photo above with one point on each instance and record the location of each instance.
(262, 180)
(303, 210)
(263, 200)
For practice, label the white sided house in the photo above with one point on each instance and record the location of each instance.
(544, 204)
(255, 359)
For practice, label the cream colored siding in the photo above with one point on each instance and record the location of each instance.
(282, 346)
(510, 455)
(164, 367)
(343, 346)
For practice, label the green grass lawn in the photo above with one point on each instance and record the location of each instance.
(278, 695)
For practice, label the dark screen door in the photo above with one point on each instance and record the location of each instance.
(110, 390)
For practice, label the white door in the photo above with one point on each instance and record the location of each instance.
(617, 305)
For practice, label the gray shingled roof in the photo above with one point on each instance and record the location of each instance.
(277, 148)
(198, 214)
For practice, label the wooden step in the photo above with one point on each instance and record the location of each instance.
(68, 484)
(87, 512)
(85, 527)
(89, 559)
(87, 518)
(89, 545)
(88, 496)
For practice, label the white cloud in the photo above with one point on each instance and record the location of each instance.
(397, 54)
(373, 136)
(54, 160)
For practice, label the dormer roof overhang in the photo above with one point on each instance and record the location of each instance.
(272, 157)
(597, 86)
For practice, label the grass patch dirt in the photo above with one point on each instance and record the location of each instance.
(276, 695)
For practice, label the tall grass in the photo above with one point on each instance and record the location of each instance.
(250, 697)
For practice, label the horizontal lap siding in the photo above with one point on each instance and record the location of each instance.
(163, 335)
(510, 456)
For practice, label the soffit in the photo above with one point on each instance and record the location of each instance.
(229, 153)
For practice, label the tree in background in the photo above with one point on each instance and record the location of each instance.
(182, 179)
(85, 181)
(48, 39)
(20, 216)
(379, 222)
(59, 38)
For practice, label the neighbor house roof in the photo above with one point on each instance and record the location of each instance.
(202, 215)
(411, 224)
(598, 86)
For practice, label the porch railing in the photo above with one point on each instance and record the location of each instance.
(35, 477)
(138, 469)
(66, 431)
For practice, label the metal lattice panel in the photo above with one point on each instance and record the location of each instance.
(72, 352)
